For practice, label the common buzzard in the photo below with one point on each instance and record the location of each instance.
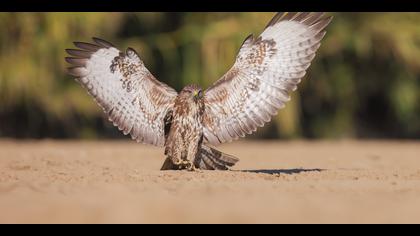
(266, 70)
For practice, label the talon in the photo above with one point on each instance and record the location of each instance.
(191, 166)
(177, 162)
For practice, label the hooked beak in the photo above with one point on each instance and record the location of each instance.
(198, 94)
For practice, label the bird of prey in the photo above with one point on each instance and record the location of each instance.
(189, 123)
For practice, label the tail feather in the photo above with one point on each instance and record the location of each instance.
(209, 158)
(169, 165)
(212, 164)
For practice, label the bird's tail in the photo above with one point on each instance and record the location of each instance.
(169, 165)
(209, 158)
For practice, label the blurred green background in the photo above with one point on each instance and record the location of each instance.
(364, 82)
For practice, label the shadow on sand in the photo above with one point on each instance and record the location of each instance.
(282, 171)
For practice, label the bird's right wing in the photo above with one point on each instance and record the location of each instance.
(129, 94)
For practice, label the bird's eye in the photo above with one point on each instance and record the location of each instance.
(200, 93)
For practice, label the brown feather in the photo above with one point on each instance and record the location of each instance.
(142, 101)
(79, 53)
(265, 71)
(87, 46)
(76, 61)
(103, 43)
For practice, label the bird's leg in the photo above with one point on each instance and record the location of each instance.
(191, 154)
(177, 158)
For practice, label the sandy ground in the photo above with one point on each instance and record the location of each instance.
(275, 182)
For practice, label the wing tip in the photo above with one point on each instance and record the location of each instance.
(103, 42)
(329, 19)
(87, 46)
(276, 18)
(76, 61)
(321, 23)
(79, 53)
(77, 71)
(78, 57)
(307, 18)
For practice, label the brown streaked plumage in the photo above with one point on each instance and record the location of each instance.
(266, 70)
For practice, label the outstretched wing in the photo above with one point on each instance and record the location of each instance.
(134, 100)
(266, 69)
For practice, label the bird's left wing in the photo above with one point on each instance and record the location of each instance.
(266, 70)
(134, 100)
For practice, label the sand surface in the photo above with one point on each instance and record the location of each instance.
(275, 182)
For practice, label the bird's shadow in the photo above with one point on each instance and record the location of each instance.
(282, 171)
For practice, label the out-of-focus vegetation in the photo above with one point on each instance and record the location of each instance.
(364, 81)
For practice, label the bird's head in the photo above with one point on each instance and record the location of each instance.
(193, 92)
